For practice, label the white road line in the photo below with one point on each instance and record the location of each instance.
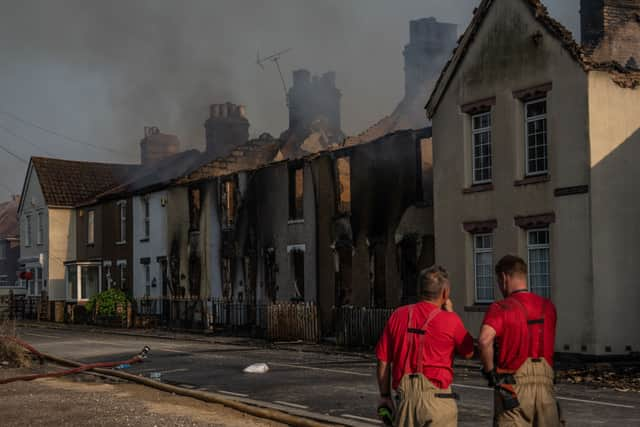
(367, 420)
(230, 393)
(293, 405)
(595, 402)
(569, 399)
(311, 368)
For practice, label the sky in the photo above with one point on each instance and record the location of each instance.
(80, 79)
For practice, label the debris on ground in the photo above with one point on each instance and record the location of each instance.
(257, 368)
(623, 378)
(11, 354)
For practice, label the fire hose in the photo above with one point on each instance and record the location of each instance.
(99, 368)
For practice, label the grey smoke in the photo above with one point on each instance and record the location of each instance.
(99, 71)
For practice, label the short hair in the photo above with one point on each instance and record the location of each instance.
(511, 265)
(432, 281)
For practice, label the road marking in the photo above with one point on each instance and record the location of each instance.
(311, 368)
(594, 402)
(367, 420)
(42, 335)
(230, 393)
(569, 399)
(293, 405)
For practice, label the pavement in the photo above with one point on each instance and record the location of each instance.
(303, 379)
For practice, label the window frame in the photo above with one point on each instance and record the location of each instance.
(40, 228)
(122, 221)
(91, 227)
(475, 132)
(344, 206)
(546, 246)
(28, 226)
(527, 121)
(122, 271)
(296, 213)
(146, 219)
(476, 252)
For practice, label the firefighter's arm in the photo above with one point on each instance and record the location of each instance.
(485, 345)
(384, 379)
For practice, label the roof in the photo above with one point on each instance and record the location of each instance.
(621, 75)
(156, 175)
(9, 227)
(253, 154)
(65, 183)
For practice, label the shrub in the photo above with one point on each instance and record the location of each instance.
(11, 352)
(107, 303)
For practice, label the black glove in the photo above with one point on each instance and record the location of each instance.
(491, 377)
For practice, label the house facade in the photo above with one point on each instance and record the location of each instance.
(9, 247)
(532, 142)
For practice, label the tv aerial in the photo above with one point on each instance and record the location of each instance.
(275, 58)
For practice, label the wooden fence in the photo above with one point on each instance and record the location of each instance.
(289, 322)
(360, 327)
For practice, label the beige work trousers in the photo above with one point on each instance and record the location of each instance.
(538, 406)
(418, 405)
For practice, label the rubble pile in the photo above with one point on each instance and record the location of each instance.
(624, 378)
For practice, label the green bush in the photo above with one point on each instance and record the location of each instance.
(107, 303)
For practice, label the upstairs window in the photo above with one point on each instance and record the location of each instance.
(483, 267)
(481, 150)
(40, 231)
(91, 227)
(343, 168)
(536, 137)
(228, 203)
(122, 209)
(539, 259)
(27, 238)
(296, 193)
(146, 224)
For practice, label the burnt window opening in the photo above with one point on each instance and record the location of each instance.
(270, 270)
(296, 256)
(409, 269)
(343, 169)
(377, 275)
(343, 289)
(228, 203)
(226, 278)
(195, 206)
(296, 193)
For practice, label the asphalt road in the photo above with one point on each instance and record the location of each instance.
(341, 386)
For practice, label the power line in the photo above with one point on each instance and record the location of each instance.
(3, 148)
(10, 132)
(58, 134)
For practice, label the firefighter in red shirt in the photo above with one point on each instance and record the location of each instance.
(415, 355)
(522, 327)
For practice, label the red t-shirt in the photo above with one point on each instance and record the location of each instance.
(445, 335)
(516, 339)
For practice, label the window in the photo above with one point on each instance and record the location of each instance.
(3, 249)
(90, 281)
(147, 279)
(146, 226)
(483, 267)
(122, 266)
(27, 238)
(296, 254)
(91, 227)
(39, 280)
(122, 208)
(107, 275)
(481, 135)
(536, 134)
(296, 193)
(40, 231)
(539, 272)
(4, 280)
(228, 202)
(343, 167)
(72, 282)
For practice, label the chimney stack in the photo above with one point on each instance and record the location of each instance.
(313, 97)
(610, 30)
(226, 128)
(156, 146)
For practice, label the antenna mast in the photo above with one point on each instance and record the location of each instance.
(275, 58)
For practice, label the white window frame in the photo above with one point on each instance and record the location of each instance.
(146, 214)
(477, 251)
(40, 228)
(122, 269)
(91, 227)
(477, 132)
(528, 120)
(544, 246)
(122, 213)
(27, 226)
(4, 281)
